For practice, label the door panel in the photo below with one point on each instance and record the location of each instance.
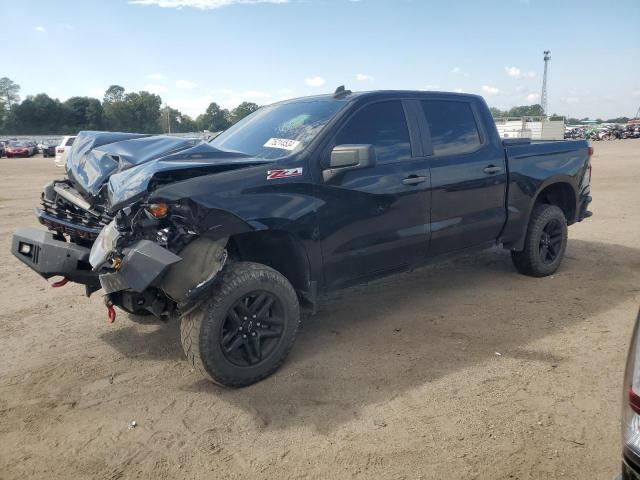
(468, 178)
(375, 219)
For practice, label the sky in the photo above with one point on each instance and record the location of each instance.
(193, 52)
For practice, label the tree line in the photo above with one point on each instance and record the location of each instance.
(536, 111)
(122, 111)
(144, 112)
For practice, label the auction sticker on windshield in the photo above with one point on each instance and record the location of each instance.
(283, 143)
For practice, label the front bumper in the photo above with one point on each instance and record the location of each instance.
(144, 264)
(48, 257)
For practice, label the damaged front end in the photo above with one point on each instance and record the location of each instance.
(160, 265)
(104, 232)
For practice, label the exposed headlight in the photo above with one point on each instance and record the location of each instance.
(104, 245)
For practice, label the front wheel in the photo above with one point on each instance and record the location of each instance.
(545, 243)
(245, 330)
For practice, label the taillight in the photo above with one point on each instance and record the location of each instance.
(590, 151)
(631, 396)
(60, 150)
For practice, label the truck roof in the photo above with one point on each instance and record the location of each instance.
(378, 93)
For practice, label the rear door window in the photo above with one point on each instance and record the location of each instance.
(453, 127)
(383, 125)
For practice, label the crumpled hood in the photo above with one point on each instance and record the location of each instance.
(128, 161)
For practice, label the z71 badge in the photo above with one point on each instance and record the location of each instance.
(284, 173)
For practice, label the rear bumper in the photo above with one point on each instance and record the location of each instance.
(48, 257)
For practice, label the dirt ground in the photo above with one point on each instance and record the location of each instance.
(459, 370)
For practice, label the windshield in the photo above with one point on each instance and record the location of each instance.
(16, 144)
(275, 131)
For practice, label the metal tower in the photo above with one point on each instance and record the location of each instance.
(543, 96)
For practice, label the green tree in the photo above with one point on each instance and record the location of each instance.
(131, 112)
(38, 114)
(3, 115)
(618, 120)
(526, 111)
(497, 113)
(9, 92)
(83, 113)
(179, 122)
(242, 110)
(115, 93)
(214, 119)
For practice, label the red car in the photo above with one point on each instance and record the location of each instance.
(18, 149)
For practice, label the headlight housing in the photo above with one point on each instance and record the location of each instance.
(105, 244)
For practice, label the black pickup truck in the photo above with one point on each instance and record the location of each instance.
(234, 236)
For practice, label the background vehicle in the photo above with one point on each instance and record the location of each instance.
(48, 150)
(62, 149)
(18, 149)
(298, 199)
(33, 148)
(631, 410)
(2, 148)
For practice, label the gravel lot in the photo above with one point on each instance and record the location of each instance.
(458, 370)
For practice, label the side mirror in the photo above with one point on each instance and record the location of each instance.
(349, 157)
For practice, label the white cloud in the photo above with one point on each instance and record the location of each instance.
(66, 26)
(232, 98)
(186, 84)
(201, 4)
(154, 88)
(515, 72)
(533, 97)
(97, 92)
(191, 106)
(570, 100)
(315, 81)
(459, 71)
(361, 77)
(156, 76)
(40, 28)
(458, 90)
(489, 90)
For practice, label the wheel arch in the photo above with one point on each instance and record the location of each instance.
(280, 250)
(561, 194)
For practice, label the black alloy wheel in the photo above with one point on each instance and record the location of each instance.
(551, 241)
(252, 329)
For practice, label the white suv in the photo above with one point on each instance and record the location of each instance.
(62, 150)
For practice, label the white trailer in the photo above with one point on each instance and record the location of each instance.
(536, 128)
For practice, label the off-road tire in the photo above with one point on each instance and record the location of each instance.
(529, 261)
(201, 328)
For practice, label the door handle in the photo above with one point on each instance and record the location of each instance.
(491, 169)
(414, 180)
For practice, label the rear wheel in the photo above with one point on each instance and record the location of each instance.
(245, 330)
(545, 243)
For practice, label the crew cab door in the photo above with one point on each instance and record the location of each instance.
(468, 175)
(376, 219)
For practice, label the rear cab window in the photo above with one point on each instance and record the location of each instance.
(69, 142)
(453, 127)
(381, 124)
